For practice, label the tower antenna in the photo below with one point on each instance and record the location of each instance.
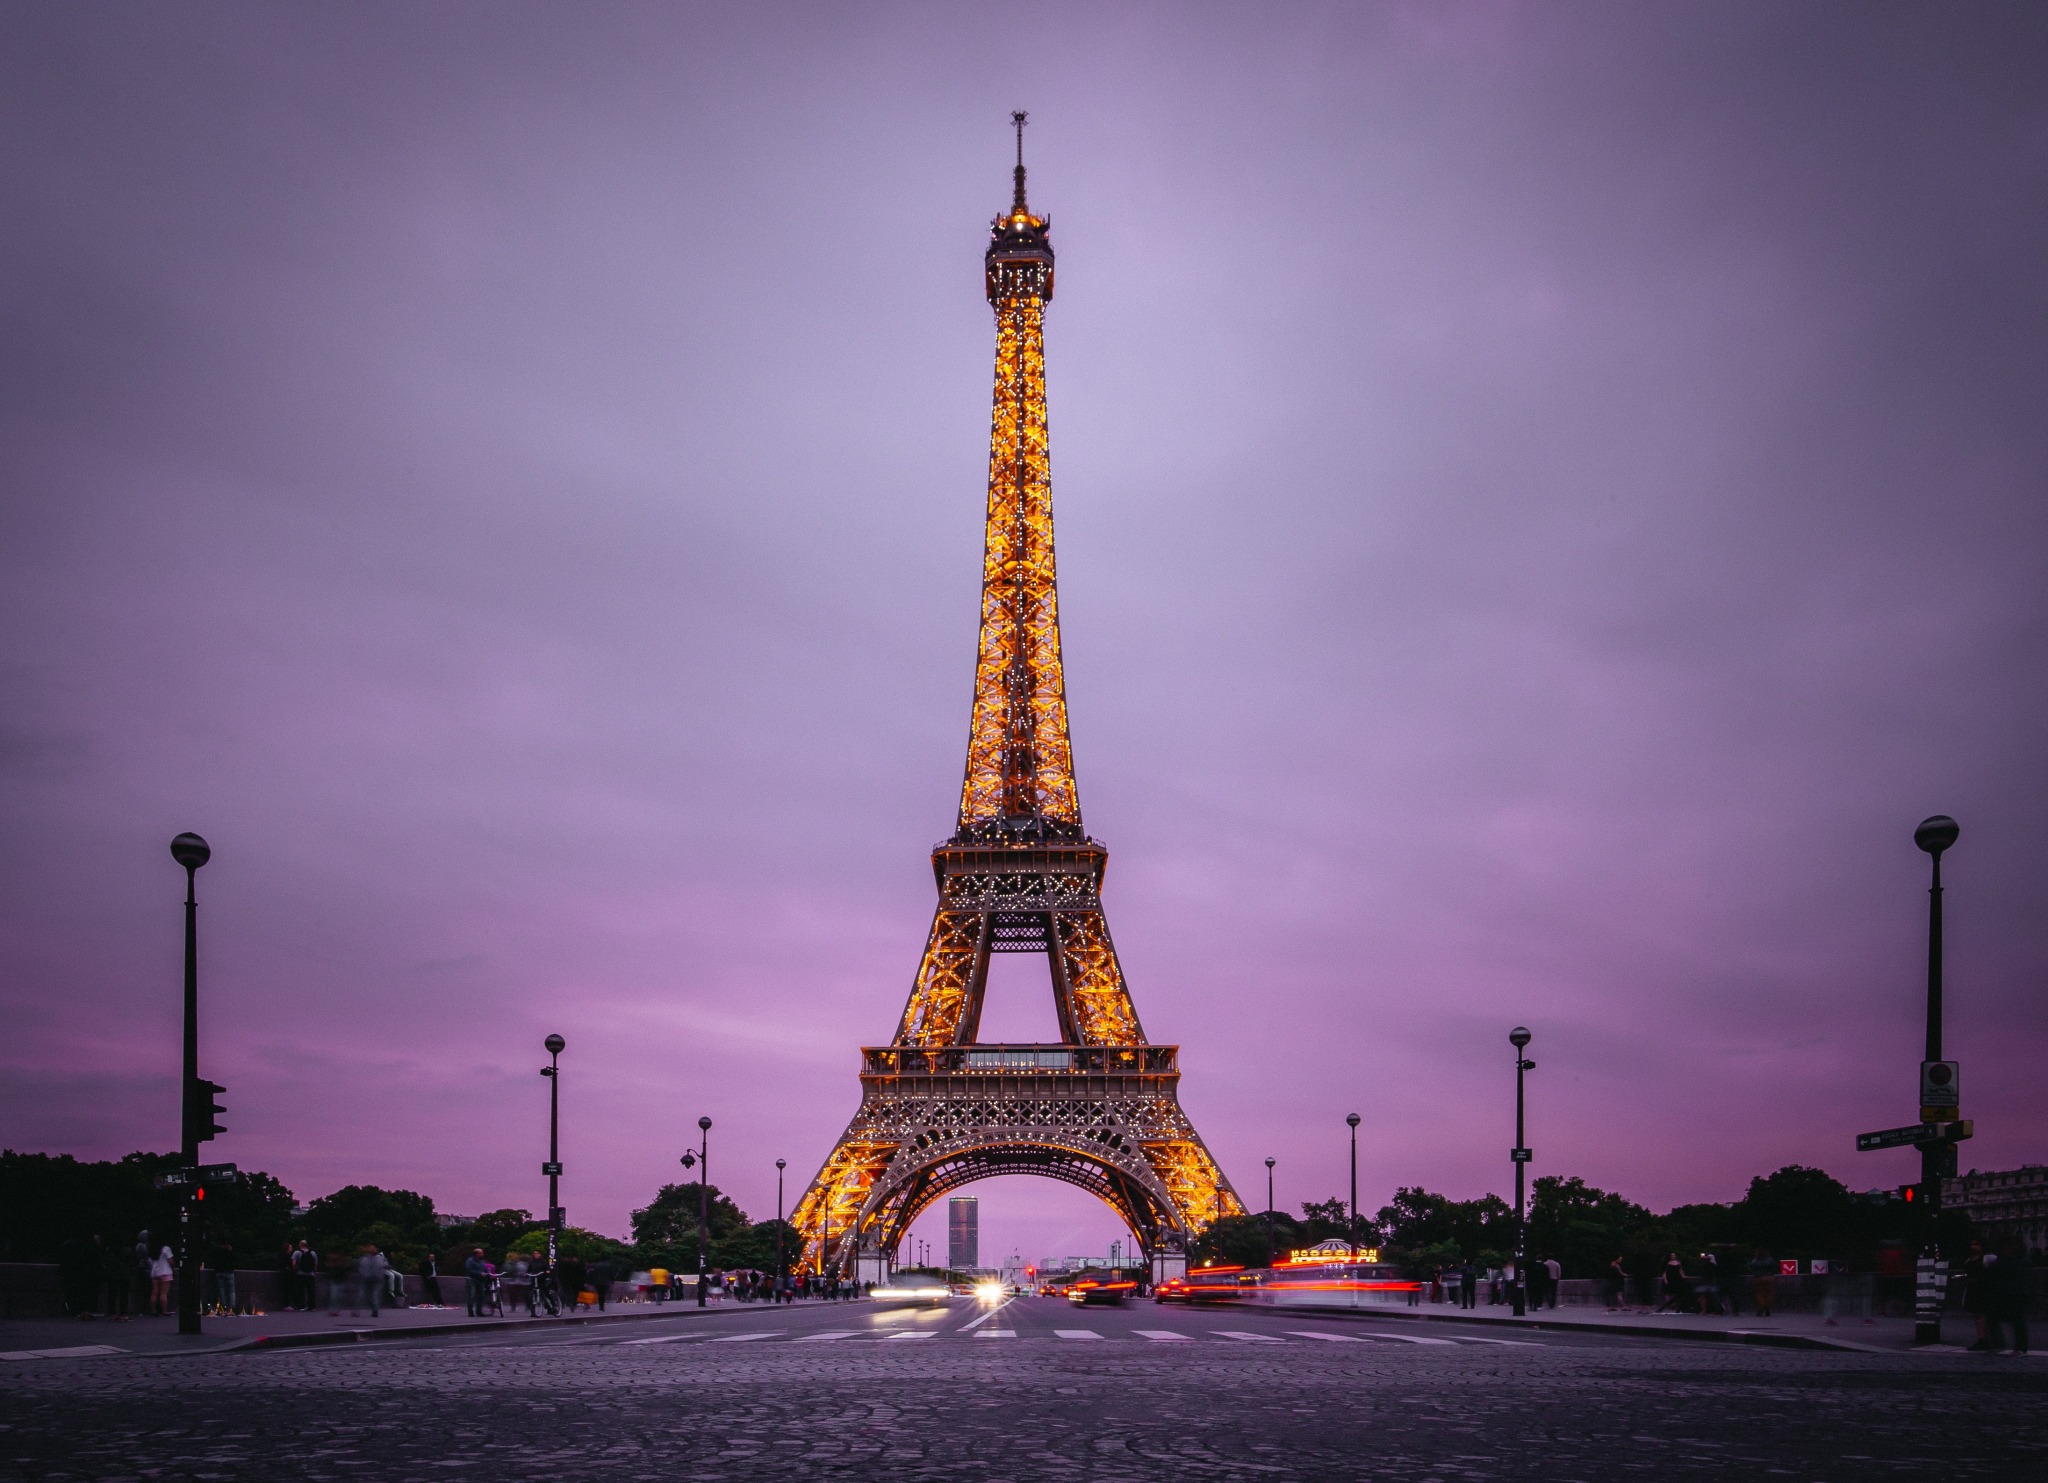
(1018, 120)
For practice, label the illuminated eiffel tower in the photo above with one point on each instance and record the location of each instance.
(939, 1108)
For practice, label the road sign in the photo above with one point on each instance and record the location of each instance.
(1521, 1155)
(551, 1167)
(203, 1174)
(1941, 1084)
(1915, 1134)
(1897, 1137)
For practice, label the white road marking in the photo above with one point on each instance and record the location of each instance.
(1517, 1343)
(965, 1327)
(997, 1334)
(1329, 1338)
(664, 1339)
(1413, 1339)
(1246, 1338)
(1077, 1333)
(743, 1338)
(893, 1338)
(1164, 1336)
(828, 1334)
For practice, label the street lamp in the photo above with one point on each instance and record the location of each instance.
(1269, 1212)
(1937, 1155)
(190, 851)
(780, 1165)
(1519, 1038)
(1352, 1229)
(703, 1200)
(554, 1046)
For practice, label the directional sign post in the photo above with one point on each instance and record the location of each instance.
(1918, 1135)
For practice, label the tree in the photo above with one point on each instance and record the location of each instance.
(1240, 1241)
(1583, 1227)
(342, 1220)
(665, 1232)
(1801, 1212)
(47, 1201)
(1423, 1228)
(496, 1231)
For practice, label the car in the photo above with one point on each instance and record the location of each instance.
(912, 1291)
(1091, 1293)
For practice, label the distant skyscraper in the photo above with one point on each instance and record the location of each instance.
(963, 1233)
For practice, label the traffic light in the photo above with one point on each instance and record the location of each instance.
(205, 1112)
(1910, 1193)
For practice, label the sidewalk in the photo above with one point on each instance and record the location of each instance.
(74, 1338)
(1786, 1330)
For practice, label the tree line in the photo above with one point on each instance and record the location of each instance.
(50, 1202)
(1794, 1212)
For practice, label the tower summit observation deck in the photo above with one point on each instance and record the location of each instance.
(939, 1108)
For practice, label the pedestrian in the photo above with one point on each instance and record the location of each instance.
(602, 1275)
(1470, 1285)
(140, 1261)
(2006, 1305)
(1728, 1274)
(223, 1269)
(371, 1269)
(1617, 1286)
(1553, 1278)
(1763, 1283)
(430, 1281)
(1976, 1275)
(117, 1274)
(1677, 1287)
(161, 1270)
(78, 1269)
(305, 1278)
(478, 1274)
(1707, 1289)
(574, 1275)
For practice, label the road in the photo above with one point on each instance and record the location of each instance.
(1032, 1390)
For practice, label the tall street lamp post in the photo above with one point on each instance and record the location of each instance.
(703, 1200)
(1269, 1212)
(554, 1045)
(195, 1126)
(780, 1165)
(1352, 1230)
(1519, 1038)
(1937, 1080)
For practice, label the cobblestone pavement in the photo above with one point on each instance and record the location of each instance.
(1037, 1390)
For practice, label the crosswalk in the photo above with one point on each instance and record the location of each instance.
(1096, 1336)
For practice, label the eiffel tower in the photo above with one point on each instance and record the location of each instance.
(939, 1108)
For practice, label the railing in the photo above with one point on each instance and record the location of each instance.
(1019, 1060)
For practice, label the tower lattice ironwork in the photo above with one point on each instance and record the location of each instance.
(939, 1108)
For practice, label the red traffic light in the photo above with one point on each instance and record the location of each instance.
(1910, 1193)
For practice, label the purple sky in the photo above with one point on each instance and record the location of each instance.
(1548, 498)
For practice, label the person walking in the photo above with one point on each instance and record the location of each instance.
(430, 1281)
(602, 1275)
(1553, 1278)
(1707, 1289)
(1763, 1283)
(1677, 1287)
(1976, 1275)
(117, 1273)
(2006, 1307)
(140, 1261)
(1617, 1286)
(222, 1267)
(478, 1274)
(371, 1268)
(161, 1268)
(305, 1277)
(1470, 1286)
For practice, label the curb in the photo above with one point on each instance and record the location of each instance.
(323, 1337)
(1709, 1336)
